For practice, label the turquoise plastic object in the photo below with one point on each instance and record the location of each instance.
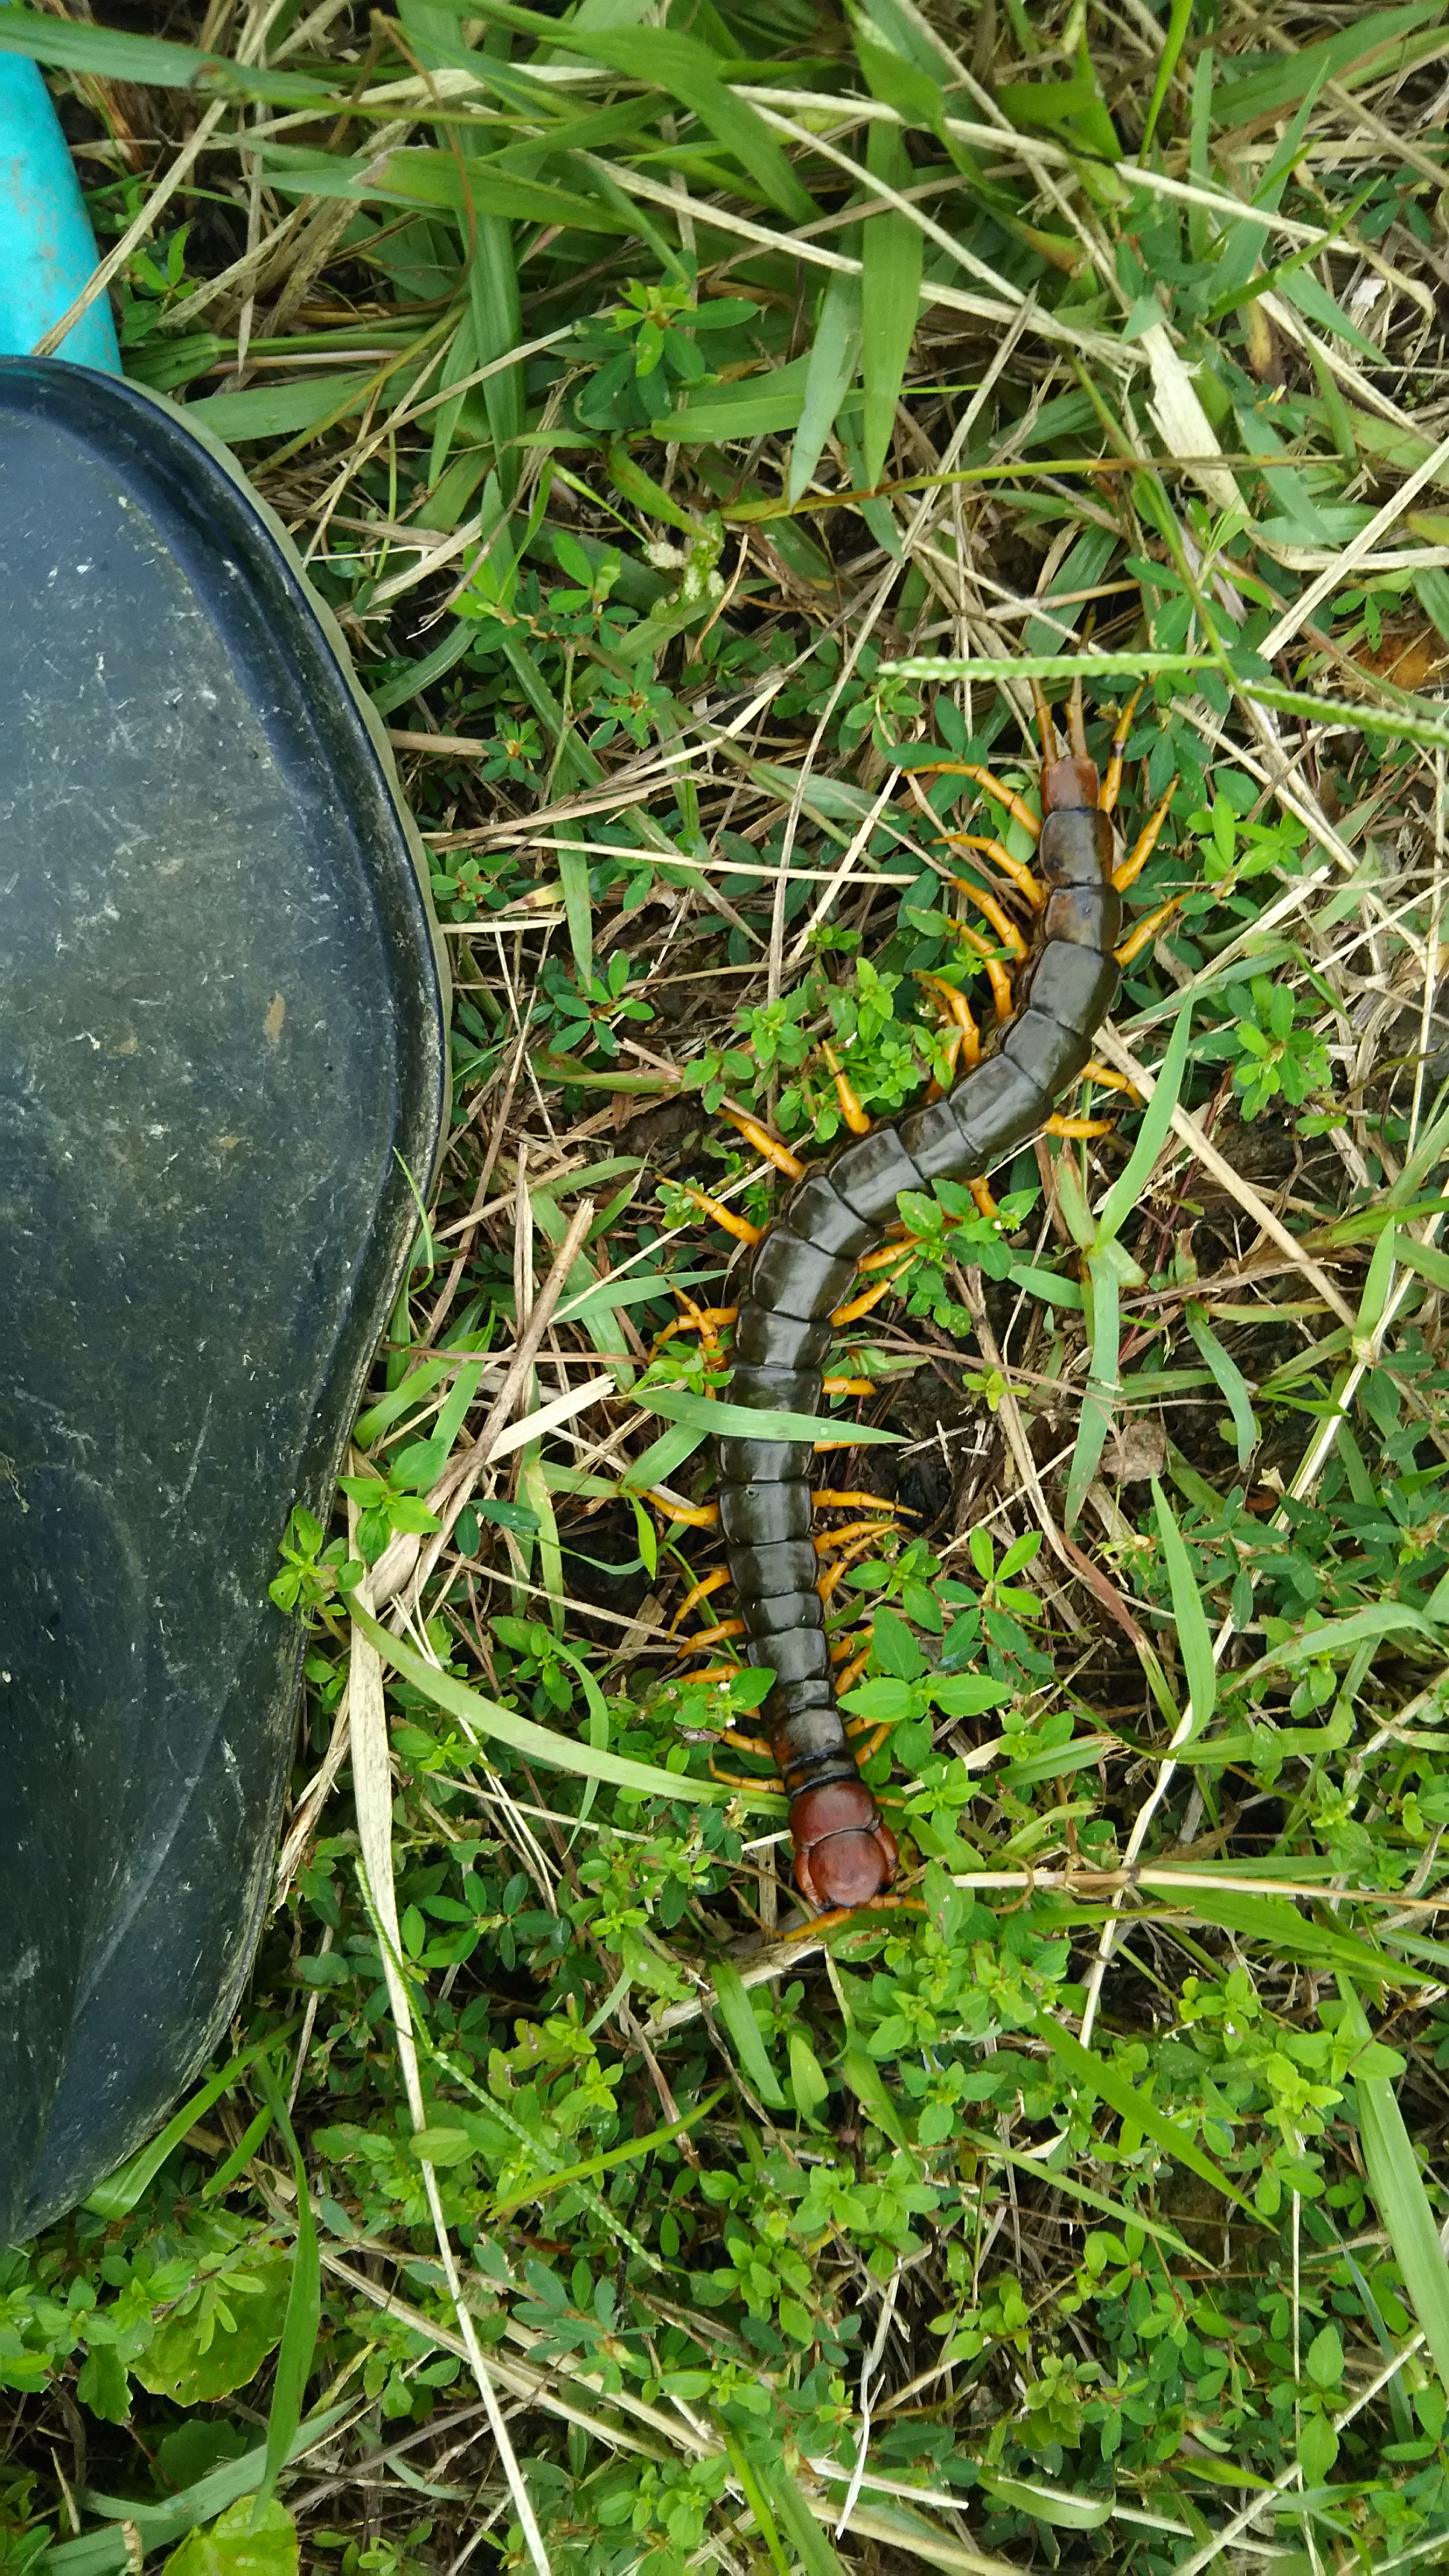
(47, 248)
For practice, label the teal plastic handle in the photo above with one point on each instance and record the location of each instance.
(47, 248)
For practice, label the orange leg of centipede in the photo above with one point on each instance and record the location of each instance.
(693, 1515)
(700, 1319)
(850, 1673)
(996, 973)
(1106, 1079)
(739, 1226)
(856, 1116)
(699, 1592)
(706, 1638)
(1146, 930)
(764, 1143)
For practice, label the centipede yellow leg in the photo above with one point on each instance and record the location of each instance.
(712, 1636)
(856, 1547)
(698, 1592)
(848, 1386)
(1028, 886)
(877, 1736)
(764, 1143)
(717, 1673)
(1146, 930)
(856, 1117)
(838, 1500)
(862, 1305)
(699, 1319)
(954, 1002)
(996, 974)
(1016, 806)
(739, 1226)
(695, 1515)
(731, 1779)
(1000, 920)
(984, 1200)
(850, 1675)
(1130, 869)
(826, 1542)
(1077, 1127)
(1106, 1079)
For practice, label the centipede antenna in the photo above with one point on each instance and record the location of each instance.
(1077, 1127)
(1146, 929)
(739, 1226)
(1045, 728)
(857, 1118)
(764, 1143)
(1076, 721)
(1146, 842)
(1112, 783)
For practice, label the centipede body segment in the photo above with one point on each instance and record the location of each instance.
(802, 1271)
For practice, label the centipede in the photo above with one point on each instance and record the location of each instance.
(802, 1269)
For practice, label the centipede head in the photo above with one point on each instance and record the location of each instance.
(843, 1854)
(1070, 781)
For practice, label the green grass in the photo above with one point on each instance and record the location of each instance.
(699, 428)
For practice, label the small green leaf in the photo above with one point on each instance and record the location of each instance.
(807, 2077)
(236, 2547)
(744, 2031)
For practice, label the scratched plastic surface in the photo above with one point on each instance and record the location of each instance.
(221, 1041)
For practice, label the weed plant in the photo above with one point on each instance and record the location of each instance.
(703, 418)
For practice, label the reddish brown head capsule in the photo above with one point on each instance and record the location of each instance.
(1068, 782)
(843, 1853)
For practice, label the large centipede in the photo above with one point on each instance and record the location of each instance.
(838, 1213)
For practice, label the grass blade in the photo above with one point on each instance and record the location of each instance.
(740, 1422)
(890, 285)
(304, 2308)
(1130, 1183)
(1231, 1383)
(482, 1718)
(1398, 2189)
(744, 2030)
(1121, 2095)
(1194, 1637)
(831, 369)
